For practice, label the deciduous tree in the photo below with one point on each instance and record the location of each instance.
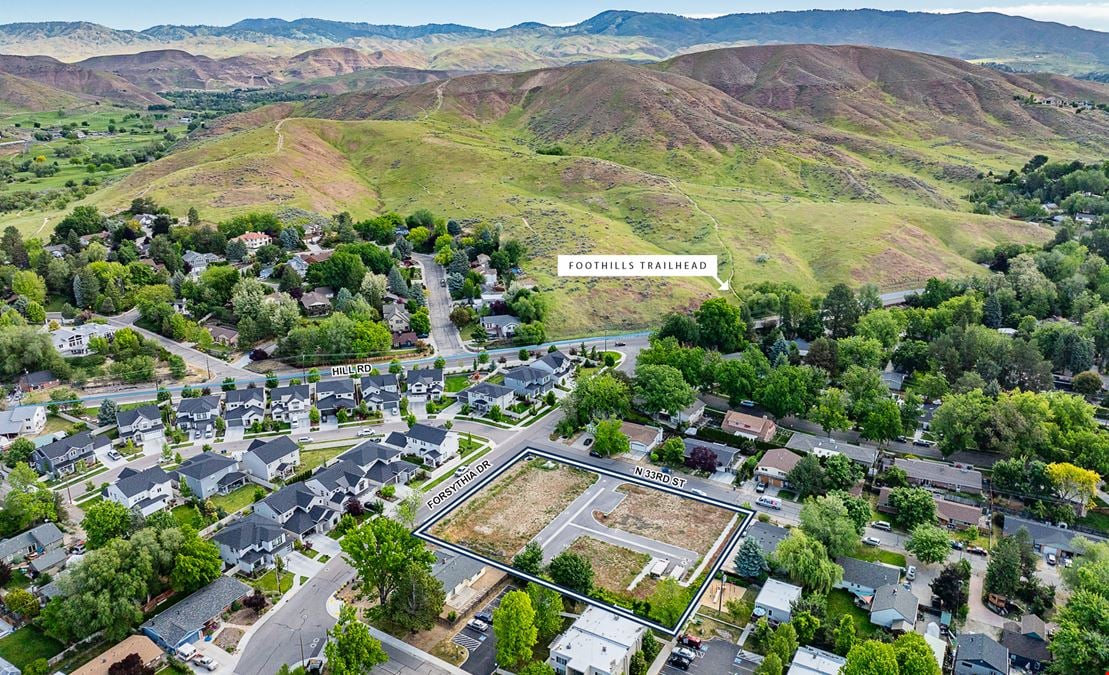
(514, 626)
(351, 649)
(382, 552)
(928, 543)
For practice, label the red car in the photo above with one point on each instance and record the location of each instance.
(690, 641)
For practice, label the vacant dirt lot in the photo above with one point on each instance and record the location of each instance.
(668, 518)
(506, 514)
(614, 567)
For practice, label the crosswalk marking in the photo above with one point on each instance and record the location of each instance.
(466, 641)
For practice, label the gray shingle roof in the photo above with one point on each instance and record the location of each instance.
(892, 596)
(379, 381)
(271, 451)
(333, 387)
(44, 535)
(490, 390)
(205, 464)
(425, 375)
(768, 536)
(297, 391)
(868, 574)
(983, 649)
(188, 616)
(1044, 534)
(938, 472)
(254, 530)
(198, 406)
(135, 482)
(59, 448)
(525, 374)
(428, 434)
(290, 497)
(245, 395)
(367, 453)
(126, 418)
(452, 569)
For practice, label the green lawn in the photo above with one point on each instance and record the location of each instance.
(28, 644)
(496, 379)
(1098, 521)
(310, 459)
(267, 583)
(840, 602)
(456, 383)
(236, 500)
(19, 580)
(878, 554)
(185, 514)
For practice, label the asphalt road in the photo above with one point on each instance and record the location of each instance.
(444, 334)
(196, 359)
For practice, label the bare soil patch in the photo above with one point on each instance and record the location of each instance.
(228, 639)
(505, 515)
(244, 617)
(668, 518)
(614, 567)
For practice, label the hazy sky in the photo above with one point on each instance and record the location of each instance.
(139, 14)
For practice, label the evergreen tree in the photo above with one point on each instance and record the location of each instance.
(397, 284)
(85, 288)
(107, 412)
(991, 316)
(750, 561)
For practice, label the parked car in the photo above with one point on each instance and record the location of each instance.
(366, 432)
(881, 525)
(760, 487)
(462, 469)
(957, 545)
(588, 442)
(114, 454)
(205, 662)
(304, 439)
(478, 625)
(977, 550)
(1051, 560)
(678, 662)
(443, 282)
(685, 653)
(487, 617)
(594, 453)
(747, 403)
(872, 541)
(690, 641)
(910, 574)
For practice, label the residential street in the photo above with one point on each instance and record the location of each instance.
(444, 334)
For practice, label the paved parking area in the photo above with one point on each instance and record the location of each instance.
(717, 657)
(482, 646)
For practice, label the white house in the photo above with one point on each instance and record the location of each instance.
(381, 392)
(425, 384)
(21, 421)
(244, 407)
(433, 444)
(253, 240)
(146, 491)
(298, 510)
(74, 340)
(483, 396)
(775, 600)
(396, 317)
(558, 365)
(198, 415)
(812, 661)
(142, 425)
(335, 395)
(500, 325)
(597, 643)
(271, 460)
(290, 404)
(251, 544)
(641, 438)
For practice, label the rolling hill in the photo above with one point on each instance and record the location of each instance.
(73, 80)
(1015, 41)
(798, 163)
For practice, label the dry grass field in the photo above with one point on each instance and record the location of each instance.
(668, 518)
(505, 515)
(614, 567)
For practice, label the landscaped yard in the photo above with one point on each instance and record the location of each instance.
(310, 459)
(456, 383)
(506, 514)
(1094, 519)
(28, 644)
(55, 424)
(495, 379)
(267, 583)
(878, 554)
(840, 602)
(236, 500)
(668, 518)
(187, 514)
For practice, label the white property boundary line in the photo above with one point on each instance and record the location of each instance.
(423, 532)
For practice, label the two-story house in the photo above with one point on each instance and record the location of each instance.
(244, 407)
(335, 395)
(74, 340)
(484, 396)
(198, 262)
(528, 382)
(291, 404)
(434, 445)
(21, 421)
(425, 384)
(249, 545)
(209, 474)
(558, 365)
(271, 460)
(298, 510)
(197, 416)
(597, 643)
(253, 240)
(66, 455)
(381, 392)
(146, 491)
(338, 484)
(396, 317)
(141, 425)
(775, 465)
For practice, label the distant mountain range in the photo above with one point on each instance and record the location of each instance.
(1014, 41)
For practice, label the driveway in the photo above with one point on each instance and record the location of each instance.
(233, 433)
(715, 656)
(444, 334)
(325, 545)
(301, 565)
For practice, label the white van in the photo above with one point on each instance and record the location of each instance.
(881, 525)
(770, 502)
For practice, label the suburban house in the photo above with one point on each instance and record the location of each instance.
(299, 265)
(253, 240)
(74, 340)
(767, 535)
(315, 303)
(35, 541)
(21, 421)
(825, 447)
(405, 339)
(38, 380)
(558, 365)
(249, 545)
(290, 404)
(142, 425)
(150, 655)
(243, 407)
(863, 579)
(1027, 643)
(937, 474)
(952, 515)
(500, 326)
(209, 474)
(338, 484)
(980, 654)
(396, 317)
(146, 491)
(775, 601)
(298, 510)
(198, 415)
(894, 607)
(424, 384)
(181, 623)
(597, 643)
(271, 460)
(1047, 538)
(381, 464)
(198, 262)
(641, 437)
(365, 455)
(222, 335)
(812, 661)
(725, 455)
(528, 382)
(434, 445)
(482, 396)
(381, 392)
(748, 426)
(686, 417)
(335, 395)
(775, 465)
(457, 573)
(62, 457)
